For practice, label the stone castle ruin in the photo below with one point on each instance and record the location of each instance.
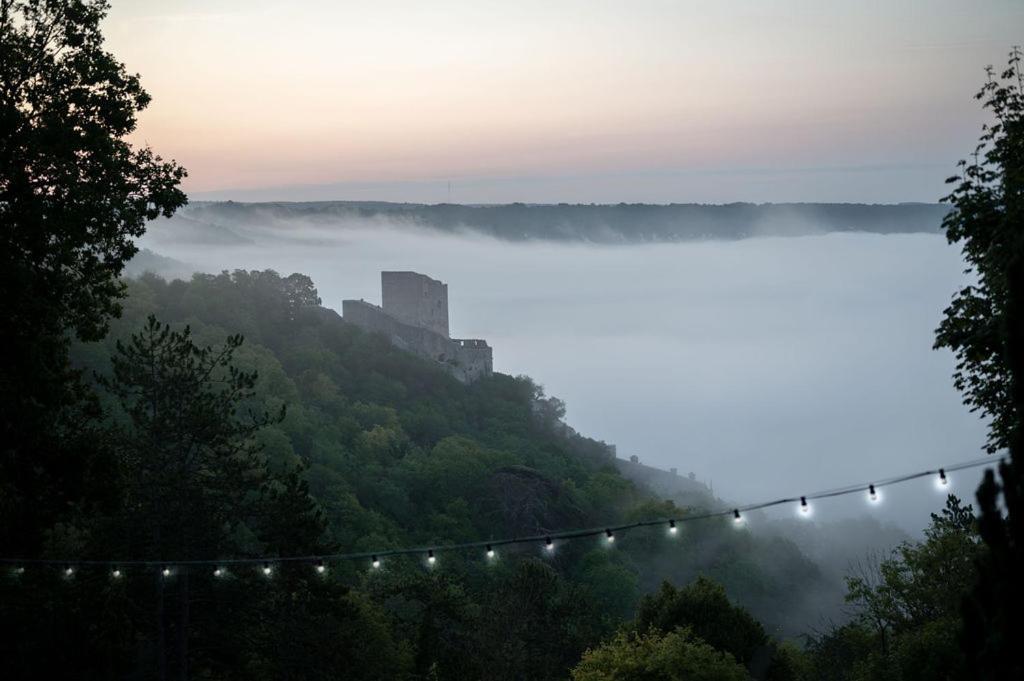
(414, 315)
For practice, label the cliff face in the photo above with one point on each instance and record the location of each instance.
(465, 359)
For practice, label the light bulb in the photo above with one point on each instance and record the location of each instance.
(430, 557)
(115, 573)
(375, 562)
(873, 494)
(548, 544)
(610, 536)
(267, 570)
(68, 571)
(320, 567)
(736, 516)
(672, 529)
(166, 572)
(804, 508)
(218, 572)
(943, 480)
(490, 551)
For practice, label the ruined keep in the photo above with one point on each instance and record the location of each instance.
(415, 299)
(414, 316)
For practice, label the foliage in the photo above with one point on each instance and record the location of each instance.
(984, 326)
(74, 195)
(392, 452)
(193, 483)
(908, 607)
(655, 656)
(986, 220)
(703, 607)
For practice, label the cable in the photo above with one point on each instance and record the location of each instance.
(547, 539)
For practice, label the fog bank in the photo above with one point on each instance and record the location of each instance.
(767, 366)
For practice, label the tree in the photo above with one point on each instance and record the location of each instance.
(194, 486)
(984, 326)
(188, 459)
(656, 656)
(74, 195)
(911, 600)
(705, 608)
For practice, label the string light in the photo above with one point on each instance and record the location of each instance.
(804, 508)
(118, 569)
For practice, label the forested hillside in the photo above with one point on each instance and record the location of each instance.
(397, 453)
(213, 222)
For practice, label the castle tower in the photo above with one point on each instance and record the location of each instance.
(414, 317)
(415, 299)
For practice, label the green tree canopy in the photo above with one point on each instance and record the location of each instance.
(704, 607)
(656, 656)
(907, 621)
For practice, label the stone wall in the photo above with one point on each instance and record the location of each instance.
(465, 359)
(476, 356)
(415, 299)
(684, 490)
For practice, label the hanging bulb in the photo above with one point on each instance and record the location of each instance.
(490, 551)
(218, 572)
(804, 508)
(20, 570)
(736, 515)
(430, 556)
(672, 529)
(267, 570)
(375, 562)
(943, 480)
(320, 567)
(610, 536)
(166, 572)
(68, 571)
(115, 573)
(548, 544)
(872, 494)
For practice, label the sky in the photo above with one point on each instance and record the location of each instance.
(481, 101)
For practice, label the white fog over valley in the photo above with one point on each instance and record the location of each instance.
(769, 367)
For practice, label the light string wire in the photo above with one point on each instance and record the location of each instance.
(547, 538)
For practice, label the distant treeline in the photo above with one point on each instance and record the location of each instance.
(627, 223)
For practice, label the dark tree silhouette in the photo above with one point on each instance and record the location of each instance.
(73, 197)
(984, 326)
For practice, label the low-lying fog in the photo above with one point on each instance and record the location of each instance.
(768, 366)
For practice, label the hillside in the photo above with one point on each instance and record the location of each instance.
(213, 222)
(398, 453)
